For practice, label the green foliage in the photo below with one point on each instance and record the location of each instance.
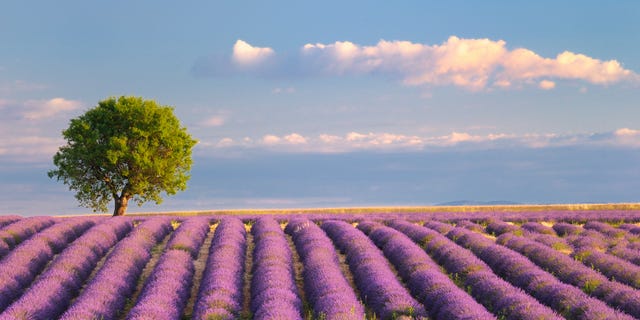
(127, 148)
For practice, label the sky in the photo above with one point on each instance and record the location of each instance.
(335, 103)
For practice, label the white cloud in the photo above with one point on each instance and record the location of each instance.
(474, 64)
(245, 54)
(384, 141)
(29, 148)
(626, 132)
(41, 109)
(295, 138)
(271, 139)
(546, 85)
(225, 142)
(214, 121)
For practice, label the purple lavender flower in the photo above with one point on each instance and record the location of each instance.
(325, 286)
(605, 229)
(220, 295)
(167, 289)
(5, 220)
(189, 235)
(13, 234)
(629, 254)
(498, 227)
(537, 227)
(564, 229)
(49, 296)
(439, 294)
(470, 225)
(26, 261)
(273, 290)
(106, 294)
(573, 272)
(378, 285)
(521, 272)
(613, 267)
(632, 228)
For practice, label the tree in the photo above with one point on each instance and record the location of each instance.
(124, 149)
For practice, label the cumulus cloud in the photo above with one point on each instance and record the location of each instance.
(546, 84)
(384, 141)
(214, 121)
(473, 64)
(295, 138)
(245, 54)
(42, 109)
(271, 139)
(29, 147)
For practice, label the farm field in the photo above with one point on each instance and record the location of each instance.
(467, 264)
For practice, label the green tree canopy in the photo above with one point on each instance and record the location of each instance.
(124, 148)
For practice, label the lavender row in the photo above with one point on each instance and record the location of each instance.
(573, 272)
(378, 285)
(611, 266)
(532, 230)
(19, 268)
(606, 229)
(167, 289)
(14, 233)
(220, 295)
(189, 236)
(498, 227)
(440, 295)
(567, 300)
(632, 228)
(274, 294)
(325, 286)
(628, 254)
(503, 299)
(107, 292)
(5, 220)
(50, 295)
(615, 237)
(537, 227)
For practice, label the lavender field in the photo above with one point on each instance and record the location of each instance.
(431, 265)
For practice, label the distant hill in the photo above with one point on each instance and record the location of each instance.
(477, 203)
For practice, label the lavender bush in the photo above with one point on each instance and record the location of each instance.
(378, 285)
(220, 295)
(567, 300)
(537, 227)
(274, 294)
(613, 267)
(496, 294)
(16, 232)
(167, 289)
(106, 294)
(575, 273)
(439, 294)
(564, 229)
(20, 267)
(325, 286)
(50, 295)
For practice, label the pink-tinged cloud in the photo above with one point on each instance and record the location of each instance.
(245, 54)
(42, 109)
(474, 64)
(215, 121)
(384, 141)
(546, 84)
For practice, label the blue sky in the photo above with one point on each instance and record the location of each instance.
(337, 104)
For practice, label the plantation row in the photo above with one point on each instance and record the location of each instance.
(320, 267)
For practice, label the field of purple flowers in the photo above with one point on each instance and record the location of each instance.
(435, 265)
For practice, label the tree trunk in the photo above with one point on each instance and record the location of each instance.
(121, 205)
